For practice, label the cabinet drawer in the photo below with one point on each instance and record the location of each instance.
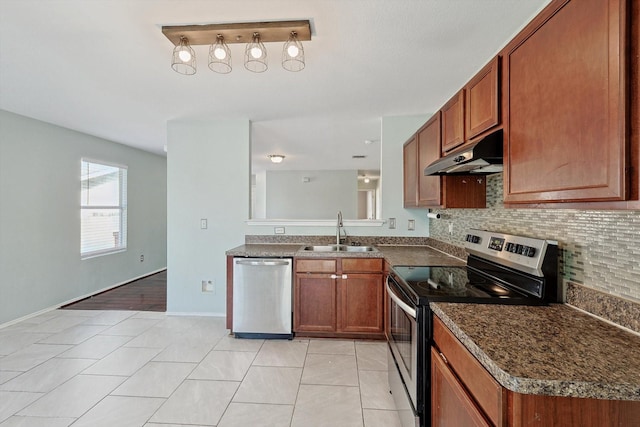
(485, 389)
(350, 265)
(315, 265)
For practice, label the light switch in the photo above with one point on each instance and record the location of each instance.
(203, 223)
(412, 224)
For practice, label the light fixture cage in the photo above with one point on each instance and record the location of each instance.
(183, 60)
(220, 56)
(293, 54)
(255, 55)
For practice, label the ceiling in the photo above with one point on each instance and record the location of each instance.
(102, 67)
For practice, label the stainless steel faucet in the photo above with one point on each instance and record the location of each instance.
(338, 226)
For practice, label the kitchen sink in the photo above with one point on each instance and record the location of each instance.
(339, 248)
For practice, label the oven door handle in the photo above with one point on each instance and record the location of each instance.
(404, 306)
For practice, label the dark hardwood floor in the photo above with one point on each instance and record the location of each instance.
(146, 294)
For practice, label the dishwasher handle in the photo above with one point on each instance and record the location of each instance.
(262, 262)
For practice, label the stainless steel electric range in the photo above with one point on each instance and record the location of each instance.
(501, 269)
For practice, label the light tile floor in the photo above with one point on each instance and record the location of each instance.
(126, 368)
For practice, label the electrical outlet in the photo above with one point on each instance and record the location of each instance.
(141, 258)
(278, 230)
(451, 228)
(203, 223)
(207, 286)
(392, 223)
(411, 225)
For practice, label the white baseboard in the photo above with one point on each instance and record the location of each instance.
(188, 313)
(57, 306)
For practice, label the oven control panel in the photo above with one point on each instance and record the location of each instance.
(523, 253)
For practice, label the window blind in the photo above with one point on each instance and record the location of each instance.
(103, 208)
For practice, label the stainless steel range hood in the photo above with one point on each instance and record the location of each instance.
(482, 157)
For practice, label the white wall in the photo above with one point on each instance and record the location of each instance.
(208, 177)
(324, 194)
(40, 264)
(395, 132)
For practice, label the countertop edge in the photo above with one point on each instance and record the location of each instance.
(382, 251)
(539, 386)
(294, 250)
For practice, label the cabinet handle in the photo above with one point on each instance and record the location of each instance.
(344, 276)
(334, 276)
(444, 358)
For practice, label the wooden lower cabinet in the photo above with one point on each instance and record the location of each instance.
(340, 297)
(463, 393)
(451, 404)
(361, 303)
(315, 303)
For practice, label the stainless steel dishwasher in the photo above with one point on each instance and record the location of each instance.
(262, 298)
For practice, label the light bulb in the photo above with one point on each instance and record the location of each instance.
(256, 52)
(293, 51)
(184, 55)
(219, 53)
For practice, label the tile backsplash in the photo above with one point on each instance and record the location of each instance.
(599, 249)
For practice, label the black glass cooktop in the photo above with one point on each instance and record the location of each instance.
(455, 284)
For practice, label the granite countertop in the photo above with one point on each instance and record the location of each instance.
(417, 255)
(266, 250)
(394, 254)
(552, 350)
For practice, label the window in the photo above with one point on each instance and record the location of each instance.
(103, 209)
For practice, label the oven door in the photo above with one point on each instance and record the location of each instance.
(402, 337)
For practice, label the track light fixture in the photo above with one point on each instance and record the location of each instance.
(220, 56)
(293, 54)
(255, 55)
(183, 60)
(253, 34)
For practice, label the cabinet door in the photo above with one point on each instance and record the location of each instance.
(451, 405)
(315, 303)
(429, 151)
(488, 394)
(464, 191)
(453, 122)
(566, 87)
(361, 303)
(410, 172)
(481, 106)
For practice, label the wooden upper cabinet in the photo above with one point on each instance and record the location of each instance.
(410, 172)
(428, 151)
(566, 105)
(436, 191)
(482, 100)
(453, 122)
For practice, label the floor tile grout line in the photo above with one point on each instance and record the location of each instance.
(295, 402)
